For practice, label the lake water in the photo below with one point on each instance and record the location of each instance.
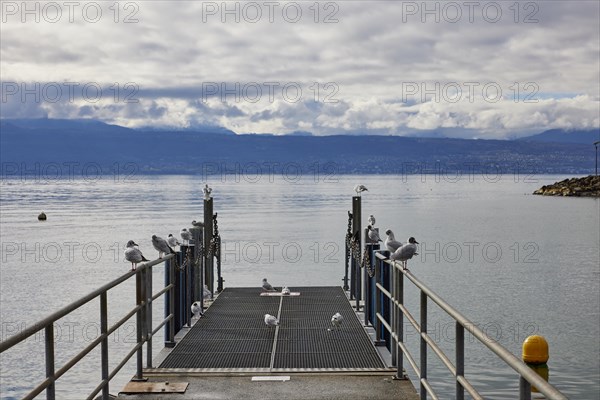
(513, 263)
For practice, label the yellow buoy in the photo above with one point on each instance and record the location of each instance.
(535, 350)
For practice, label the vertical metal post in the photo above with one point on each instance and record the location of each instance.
(394, 313)
(49, 333)
(524, 389)
(399, 323)
(346, 265)
(148, 293)
(376, 322)
(208, 235)
(104, 344)
(460, 359)
(188, 291)
(423, 365)
(170, 342)
(356, 222)
(139, 294)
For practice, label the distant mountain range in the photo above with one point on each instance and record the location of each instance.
(28, 146)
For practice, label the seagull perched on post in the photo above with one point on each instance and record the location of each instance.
(267, 286)
(336, 320)
(271, 320)
(186, 236)
(360, 188)
(405, 252)
(371, 220)
(161, 246)
(207, 191)
(390, 242)
(133, 254)
(172, 240)
(374, 235)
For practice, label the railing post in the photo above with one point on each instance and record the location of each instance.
(104, 344)
(208, 235)
(423, 351)
(399, 323)
(148, 307)
(524, 389)
(49, 333)
(170, 305)
(460, 359)
(139, 291)
(394, 312)
(376, 322)
(355, 263)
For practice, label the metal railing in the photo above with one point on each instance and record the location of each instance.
(391, 318)
(144, 331)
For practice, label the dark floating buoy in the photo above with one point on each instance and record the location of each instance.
(42, 216)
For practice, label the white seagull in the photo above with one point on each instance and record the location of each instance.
(336, 320)
(206, 293)
(133, 254)
(360, 188)
(172, 240)
(161, 246)
(207, 191)
(197, 309)
(186, 236)
(286, 291)
(374, 235)
(390, 242)
(405, 252)
(271, 320)
(371, 220)
(267, 286)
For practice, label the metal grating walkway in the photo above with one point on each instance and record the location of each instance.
(232, 335)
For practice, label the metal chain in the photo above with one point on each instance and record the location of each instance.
(214, 248)
(366, 262)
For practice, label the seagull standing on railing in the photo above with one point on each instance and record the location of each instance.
(390, 241)
(133, 254)
(360, 188)
(405, 252)
(172, 240)
(371, 220)
(286, 291)
(374, 235)
(271, 320)
(206, 294)
(267, 286)
(161, 246)
(186, 236)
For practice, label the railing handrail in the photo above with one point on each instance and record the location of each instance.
(516, 364)
(38, 326)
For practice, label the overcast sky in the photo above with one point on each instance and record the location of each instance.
(466, 69)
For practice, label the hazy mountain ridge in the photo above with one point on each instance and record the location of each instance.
(192, 152)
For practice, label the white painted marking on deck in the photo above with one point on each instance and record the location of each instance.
(270, 378)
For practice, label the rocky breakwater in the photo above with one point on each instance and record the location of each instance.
(576, 187)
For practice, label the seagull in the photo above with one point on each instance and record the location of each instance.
(185, 235)
(267, 286)
(371, 220)
(207, 191)
(405, 252)
(206, 294)
(42, 216)
(198, 224)
(133, 254)
(336, 321)
(161, 246)
(374, 235)
(197, 309)
(271, 320)
(390, 242)
(172, 240)
(285, 291)
(360, 188)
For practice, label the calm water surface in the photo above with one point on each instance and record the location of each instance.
(515, 264)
